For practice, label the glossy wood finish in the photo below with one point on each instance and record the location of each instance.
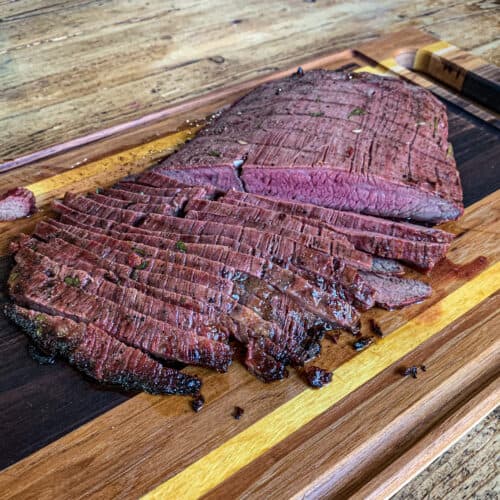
(147, 440)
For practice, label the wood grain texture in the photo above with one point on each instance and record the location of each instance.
(354, 441)
(469, 469)
(135, 446)
(247, 448)
(68, 68)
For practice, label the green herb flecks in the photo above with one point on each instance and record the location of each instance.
(356, 112)
(139, 251)
(214, 153)
(142, 265)
(72, 281)
(181, 246)
(449, 152)
(13, 276)
(317, 114)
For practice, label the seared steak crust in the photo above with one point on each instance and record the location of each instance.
(100, 355)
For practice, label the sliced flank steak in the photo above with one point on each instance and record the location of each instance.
(356, 142)
(418, 246)
(100, 355)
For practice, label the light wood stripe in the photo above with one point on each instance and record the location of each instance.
(109, 169)
(211, 470)
(437, 47)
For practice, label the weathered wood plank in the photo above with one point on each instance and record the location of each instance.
(68, 68)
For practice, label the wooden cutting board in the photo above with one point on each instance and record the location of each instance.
(365, 434)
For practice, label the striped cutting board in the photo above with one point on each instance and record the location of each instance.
(365, 434)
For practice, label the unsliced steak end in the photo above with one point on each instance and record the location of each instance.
(16, 203)
(102, 357)
(338, 189)
(359, 142)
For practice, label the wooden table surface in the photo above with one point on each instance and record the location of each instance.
(70, 68)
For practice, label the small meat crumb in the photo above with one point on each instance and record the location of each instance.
(362, 342)
(317, 377)
(197, 403)
(375, 328)
(410, 371)
(238, 412)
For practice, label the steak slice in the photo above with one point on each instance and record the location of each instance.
(343, 220)
(415, 245)
(99, 355)
(31, 287)
(131, 298)
(91, 207)
(167, 192)
(158, 208)
(282, 224)
(394, 293)
(263, 311)
(238, 268)
(154, 180)
(359, 142)
(16, 203)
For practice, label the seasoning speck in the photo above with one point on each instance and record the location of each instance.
(423, 368)
(181, 246)
(197, 403)
(317, 377)
(299, 72)
(356, 112)
(72, 281)
(142, 265)
(139, 251)
(363, 342)
(317, 114)
(214, 153)
(238, 412)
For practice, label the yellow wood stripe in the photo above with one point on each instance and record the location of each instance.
(437, 47)
(109, 169)
(211, 470)
(376, 70)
